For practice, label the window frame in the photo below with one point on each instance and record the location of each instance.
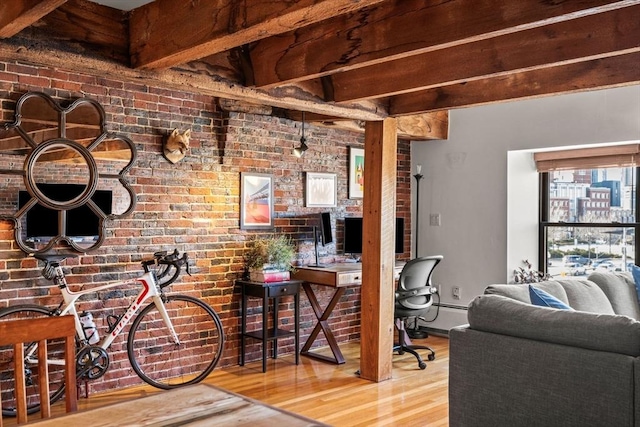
(544, 223)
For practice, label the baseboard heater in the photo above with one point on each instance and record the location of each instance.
(459, 313)
(455, 307)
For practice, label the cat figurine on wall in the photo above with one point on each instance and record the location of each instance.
(176, 145)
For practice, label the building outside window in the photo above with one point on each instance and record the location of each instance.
(588, 219)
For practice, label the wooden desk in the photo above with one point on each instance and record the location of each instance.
(338, 276)
(196, 405)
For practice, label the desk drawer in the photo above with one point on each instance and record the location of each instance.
(283, 289)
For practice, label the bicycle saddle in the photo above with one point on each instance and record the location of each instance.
(54, 256)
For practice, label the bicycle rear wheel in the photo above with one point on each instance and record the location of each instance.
(164, 364)
(55, 350)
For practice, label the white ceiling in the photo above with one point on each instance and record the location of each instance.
(122, 4)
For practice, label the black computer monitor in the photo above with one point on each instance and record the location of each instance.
(325, 228)
(326, 236)
(399, 235)
(353, 235)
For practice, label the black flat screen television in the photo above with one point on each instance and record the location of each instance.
(353, 235)
(81, 221)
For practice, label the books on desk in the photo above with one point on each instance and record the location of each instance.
(269, 276)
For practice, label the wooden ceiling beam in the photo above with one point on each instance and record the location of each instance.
(417, 127)
(103, 28)
(168, 32)
(16, 15)
(400, 28)
(284, 97)
(622, 70)
(596, 36)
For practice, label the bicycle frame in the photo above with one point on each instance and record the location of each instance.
(149, 290)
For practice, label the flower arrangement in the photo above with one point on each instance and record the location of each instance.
(528, 275)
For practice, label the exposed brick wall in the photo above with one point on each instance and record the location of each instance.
(192, 205)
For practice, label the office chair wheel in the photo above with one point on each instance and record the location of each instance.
(431, 357)
(422, 365)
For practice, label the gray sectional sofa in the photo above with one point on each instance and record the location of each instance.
(517, 364)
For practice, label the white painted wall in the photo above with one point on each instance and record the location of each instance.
(482, 182)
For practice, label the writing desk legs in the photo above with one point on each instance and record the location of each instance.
(323, 325)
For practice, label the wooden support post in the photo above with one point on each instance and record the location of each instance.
(378, 260)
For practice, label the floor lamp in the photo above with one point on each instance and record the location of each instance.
(416, 332)
(418, 176)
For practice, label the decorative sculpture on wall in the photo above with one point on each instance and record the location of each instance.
(177, 145)
(65, 174)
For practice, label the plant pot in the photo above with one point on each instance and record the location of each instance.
(268, 275)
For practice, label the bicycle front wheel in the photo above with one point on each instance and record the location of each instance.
(55, 351)
(158, 359)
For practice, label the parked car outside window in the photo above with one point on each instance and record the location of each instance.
(576, 269)
(567, 260)
(606, 266)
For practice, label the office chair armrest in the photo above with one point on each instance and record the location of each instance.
(427, 290)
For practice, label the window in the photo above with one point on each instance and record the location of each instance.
(588, 217)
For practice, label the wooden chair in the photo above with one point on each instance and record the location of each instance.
(23, 331)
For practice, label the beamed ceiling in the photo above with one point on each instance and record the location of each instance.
(341, 61)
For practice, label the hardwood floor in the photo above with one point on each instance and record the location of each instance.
(334, 394)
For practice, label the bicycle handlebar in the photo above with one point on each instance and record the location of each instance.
(171, 266)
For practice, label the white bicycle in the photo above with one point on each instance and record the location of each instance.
(174, 341)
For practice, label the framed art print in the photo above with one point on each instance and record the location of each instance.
(356, 173)
(256, 201)
(322, 189)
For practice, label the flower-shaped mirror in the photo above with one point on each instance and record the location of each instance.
(65, 175)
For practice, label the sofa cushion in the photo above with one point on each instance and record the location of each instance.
(521, 292)
(603, 332)
(581, 295)
(543, 299)
(620, 289)
(585, 295)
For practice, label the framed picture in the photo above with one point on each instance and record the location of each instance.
(356, 173)
(322, 189)
(256, 200)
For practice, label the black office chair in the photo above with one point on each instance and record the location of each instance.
(414, 299)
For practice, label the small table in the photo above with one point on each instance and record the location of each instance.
(268, 291)
(194, 405)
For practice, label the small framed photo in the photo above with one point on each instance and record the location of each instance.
(322, 189)
(356, 173)
(256, 200)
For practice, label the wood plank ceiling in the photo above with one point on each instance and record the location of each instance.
(341, 59)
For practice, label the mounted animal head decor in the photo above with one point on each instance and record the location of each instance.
(176, 145)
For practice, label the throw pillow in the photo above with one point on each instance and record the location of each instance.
(635, 272)
(544, 299)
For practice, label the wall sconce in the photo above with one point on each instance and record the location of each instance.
(299, 151)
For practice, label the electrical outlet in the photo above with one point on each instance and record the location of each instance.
(455, 291)
(438, 289)
(434, 219)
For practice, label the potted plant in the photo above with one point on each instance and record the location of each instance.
(269, 258)
(529, 275)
